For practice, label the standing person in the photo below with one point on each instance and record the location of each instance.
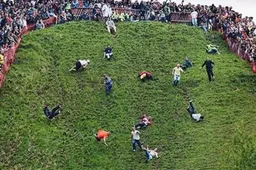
(150, 153)
(101, 134)
(209, 67)
(191, 110)
(176, 72)
(80, 64)
(108, 83)
(194, 16)
(55, 111)
(135, 138)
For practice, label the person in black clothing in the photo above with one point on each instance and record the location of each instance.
(55, 111)
(209, 66)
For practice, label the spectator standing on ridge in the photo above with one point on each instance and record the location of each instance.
(194, 15)
(135, 138)
(108, 83)
(209, 67)
(1, 62)
(177, 73)
(106, 11)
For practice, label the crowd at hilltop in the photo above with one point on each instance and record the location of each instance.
(15, 15)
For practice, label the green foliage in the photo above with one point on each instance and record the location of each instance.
(40, 75)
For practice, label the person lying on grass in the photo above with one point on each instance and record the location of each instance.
(55, 111)
(191, 110)
(108, 83)
(212, 49)
(150, 153)
(186, 64)
(144, 121)
(145, 75)
(80, 64)
(101, 134)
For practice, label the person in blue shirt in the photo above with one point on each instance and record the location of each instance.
(108, 53)
(108, 83)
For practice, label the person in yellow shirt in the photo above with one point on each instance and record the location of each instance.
(176, 71)
(1, 61)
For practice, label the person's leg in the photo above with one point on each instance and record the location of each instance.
(78, 65)
(177, 80)
(212, 76)
(140, 125)
(133, 145)
(138, 143)
(147, 156)
(56, 111)
(209, 75)
(47, 111)
(108, 27)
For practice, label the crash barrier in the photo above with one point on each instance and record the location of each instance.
(175, 17)
(235, 47)
(9, 55)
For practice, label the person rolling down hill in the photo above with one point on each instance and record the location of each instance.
(145, 75)
(108, 83)
(176, 72)
(80, 64)
(55, 111)
(191, 110)
(212, 49)
(144, 122)
(150, 153)
(101, 134)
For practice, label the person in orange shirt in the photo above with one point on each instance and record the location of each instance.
(101, 134)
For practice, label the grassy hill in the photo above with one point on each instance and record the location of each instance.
(225, 140)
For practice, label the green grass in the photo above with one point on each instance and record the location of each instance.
(40, 75)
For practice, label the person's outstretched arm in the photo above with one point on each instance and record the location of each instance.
(203, 64)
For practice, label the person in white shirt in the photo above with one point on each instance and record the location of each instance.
(110, 25)
(150, 153)
(176, 72)
(135, 138)
(191, 110)
(194, 15)
(106, 11)
(80, 64)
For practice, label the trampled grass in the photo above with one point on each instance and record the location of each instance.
(40, 75)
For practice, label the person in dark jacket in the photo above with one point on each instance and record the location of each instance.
(209, 67)
(51, 114)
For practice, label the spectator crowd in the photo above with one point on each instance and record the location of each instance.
(18, 14)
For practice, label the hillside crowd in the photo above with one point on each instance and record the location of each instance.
(17, 14)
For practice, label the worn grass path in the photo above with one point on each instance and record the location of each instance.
(40, 75)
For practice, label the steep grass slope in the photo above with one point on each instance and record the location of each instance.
(40, 75)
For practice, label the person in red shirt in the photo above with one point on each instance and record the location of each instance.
(101, 134)
(144, 75)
